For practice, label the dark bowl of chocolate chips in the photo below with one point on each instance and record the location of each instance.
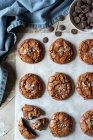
(81, 15)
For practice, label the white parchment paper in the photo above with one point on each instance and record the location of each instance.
(74, 106)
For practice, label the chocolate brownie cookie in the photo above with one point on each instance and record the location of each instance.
(39, 124)
(86, 51)
(30, 51)
(85, 85)
(25, 130)
(31, 86)
(61, 51)
(86, 123)
(31, 111)
(59, 86)
(61, 124)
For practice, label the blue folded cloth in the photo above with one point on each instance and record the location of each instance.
(36, 13)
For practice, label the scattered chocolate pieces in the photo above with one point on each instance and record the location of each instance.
(74, 31)
(58, 33)
(45, 39)
(51, 29)
(62, 27)
(83, 14)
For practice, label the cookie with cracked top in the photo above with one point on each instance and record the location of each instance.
(31, 86)
(39, 124)
(31, 51)
(59, 86)
(61, 124)
(84, 85)
(86, 123)
(86, 51)
(61, 51)
(31, 111)
(25, 130)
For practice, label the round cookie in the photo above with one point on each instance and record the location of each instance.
(86, 51)
(84, 85)
(61, 51)
(61, 124)
(59, 86)
(30, 51)
(86, 123)
(31, 86)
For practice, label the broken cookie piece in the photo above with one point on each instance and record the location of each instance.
(25, 130)
(40, 124)
(31, 111)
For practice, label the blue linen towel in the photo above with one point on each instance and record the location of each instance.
(14, 13)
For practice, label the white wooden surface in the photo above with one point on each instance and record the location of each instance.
(7, 109)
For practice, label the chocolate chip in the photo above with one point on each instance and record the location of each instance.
(45, 39)
(78, 9)
(77, 19)
(62, 27)
(83, 18)
(79, 3)
(74, 14)
(51, 29)
(89, 1)
(58, 33)
(74, 31)
(88, 27)
(84, 24)
(62, 18)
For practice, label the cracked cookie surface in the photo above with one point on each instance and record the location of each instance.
(31, 86)
(84, 85)
(86, 123)
(86, 51)
(39, 124)
(25, 130)
(61, 124)
(59, 86)
(30, 51)
(61, 51)
(31, 111)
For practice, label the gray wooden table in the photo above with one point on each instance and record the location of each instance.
(7, 109)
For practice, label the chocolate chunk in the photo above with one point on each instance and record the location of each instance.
(84, 24)
(45, 39)
(74, 31)
(90, 20)
(88, 27)
(89, 1)
(62, 18)
(79, 3)
(58, 33)
(81, 15)
(62, 27)
(74, 14)
(83, 18)
(51, 29)
(78, 9)
(77, 19)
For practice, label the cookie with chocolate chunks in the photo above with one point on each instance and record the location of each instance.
(31, 111)
(31, 51)
(86, 123)
(59, 86)
(61, 124)
(31, 86)
(86, 51)
(25, 130)
(61, 51)
(84, 85)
